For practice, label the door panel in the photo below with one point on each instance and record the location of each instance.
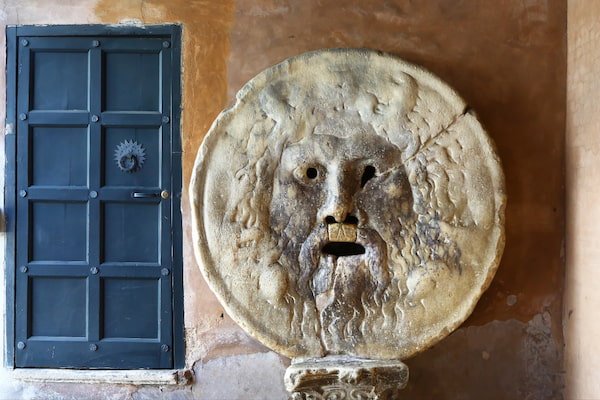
(132, 81)
(64, 69)
(50, 297)
(60, 154)
(58, 231)
(125, 316)
(148, 139)
(94, 183)
(131, 232)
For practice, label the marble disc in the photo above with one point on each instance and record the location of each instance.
(348, 203)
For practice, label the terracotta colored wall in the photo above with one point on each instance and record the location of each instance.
(583, 182)
(508, 59)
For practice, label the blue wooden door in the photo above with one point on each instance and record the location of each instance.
(95, 147)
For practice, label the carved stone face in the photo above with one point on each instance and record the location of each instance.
(339, 200)
(347, 204)
(340, 184)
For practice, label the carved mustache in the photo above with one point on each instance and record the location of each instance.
(340, 232)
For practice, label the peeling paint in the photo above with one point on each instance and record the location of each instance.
(472, 362)
(499, 360)
(244, 380)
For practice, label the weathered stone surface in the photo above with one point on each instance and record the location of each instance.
(349, 203)
(249, 376)
(343, 378)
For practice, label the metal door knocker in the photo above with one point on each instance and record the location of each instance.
(130, 156)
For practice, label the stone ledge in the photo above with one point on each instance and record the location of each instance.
(129, 377)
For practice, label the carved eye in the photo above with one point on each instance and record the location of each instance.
(309, 174)
(368, 173)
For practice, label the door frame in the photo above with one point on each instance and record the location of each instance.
(13, 33)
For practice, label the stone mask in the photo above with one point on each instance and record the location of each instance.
(348, 204)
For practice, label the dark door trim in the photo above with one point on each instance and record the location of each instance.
(13, 35)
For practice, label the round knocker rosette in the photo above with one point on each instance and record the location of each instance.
(130, 156)
(349, 203)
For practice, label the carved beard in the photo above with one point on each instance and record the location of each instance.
(346, 289)
(337, 298)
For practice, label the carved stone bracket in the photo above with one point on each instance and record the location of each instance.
(345, 378)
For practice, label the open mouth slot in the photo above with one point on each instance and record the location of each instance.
(342, 249)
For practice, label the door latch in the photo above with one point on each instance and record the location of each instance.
(145, 195)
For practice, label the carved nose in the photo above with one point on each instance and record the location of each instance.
(335, 213)
(339, 205)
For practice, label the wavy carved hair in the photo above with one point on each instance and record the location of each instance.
(406, 115)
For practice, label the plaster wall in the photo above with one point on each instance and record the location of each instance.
(582, 297)
(507, 59)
